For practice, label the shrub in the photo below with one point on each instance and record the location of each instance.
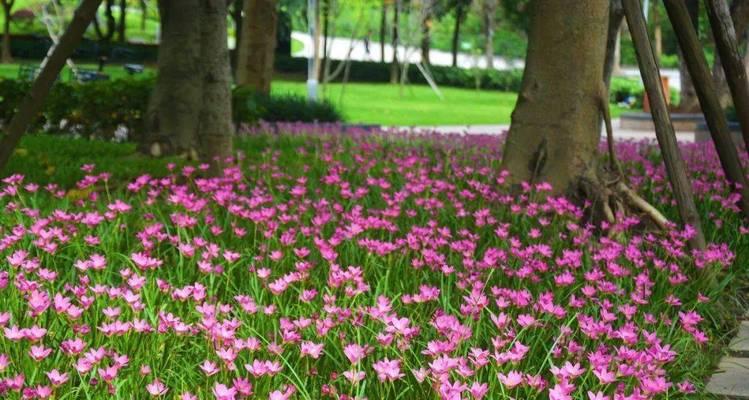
(623, 88)
(100, 108)
(251, 107)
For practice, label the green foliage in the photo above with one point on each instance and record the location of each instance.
(251, 107)
(623, 88)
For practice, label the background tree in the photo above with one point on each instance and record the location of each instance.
(740, 17)
(122, 25)
(689, 101)
(460, 8)
(488, 16)
(5, 56)
(189, 113)
(107, 32)
(428, 13)
(257, 45)
(554, 134)
(394, 64)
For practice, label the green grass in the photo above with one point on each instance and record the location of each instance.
(387, 104)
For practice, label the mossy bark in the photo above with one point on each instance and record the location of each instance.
(555, 133)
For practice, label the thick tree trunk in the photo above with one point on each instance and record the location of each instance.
(190, 109)
(689, 102)
(459, 13)
(395, 65)
(258, 45)
(34, 100)
(740, 17)
(490, 9)
(173, 113)
(122, 27)
(5, 55)
(554, 134)
(383, 30)
(216, 132)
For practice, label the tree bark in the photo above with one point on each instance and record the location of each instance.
(703, 83)
(459, 14)
(664, 129)
(689, 102)
(215, 132)
(34, 100)
(733, 66)
(426, 28)
(740, 17)
(395, 65)
(5, 53)
(383, 30)
(143, 14)
(489, 10)
(554, 134)
(108, 33)
(122, 27)
(616, 17)
(325, 33)
(258, 45)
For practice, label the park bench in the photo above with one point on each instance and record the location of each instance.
(87, 75)
(128, 58)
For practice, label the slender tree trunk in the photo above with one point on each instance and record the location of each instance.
(657, 33)
(740, 17)
(34, 100)
(613, 41)
(325, 34)
(216, 131)
(689, 102)
(714, 115)
(106, 34)
(554, 134)
(459, 12)
(490, 10)
(5, 56)
(258, 45)
(122, 27)
(383, 30)
(426, 27)
(395, 65)
(143, 14)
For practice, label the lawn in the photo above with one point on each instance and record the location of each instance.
(386, 104)
(115, 71)
(353, 264)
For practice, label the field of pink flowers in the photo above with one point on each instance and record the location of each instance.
(353, 266)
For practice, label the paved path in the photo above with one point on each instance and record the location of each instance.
(339, 48)
(731, 380)
(619, 133)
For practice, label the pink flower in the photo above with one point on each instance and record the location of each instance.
(311, 349)
(354, 352)
(156, 388)
(388, 370)
(512, 379)
(57, 378)
(209, 367)
(222, 392)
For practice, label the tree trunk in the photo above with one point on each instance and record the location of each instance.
(122, 27)
(490, 10)
(394, 65)
(689, 102)
(426, 27)
(554, 134)
(613, 41)
(143, 14)
(216, 132)
(106, 34)
(383, 30)
(173, 114)
(190, 108)
(5, 55)
(714, 115)
(34, 99)
(740, 17)
(657, 33)
(258, 45)
(325, 34)
(459, 12)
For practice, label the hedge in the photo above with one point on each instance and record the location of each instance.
(101, 108)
